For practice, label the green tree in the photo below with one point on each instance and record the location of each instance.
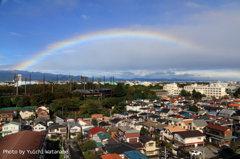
(7, 102)
(32, 117)
(88, 145)
(1, 102)
(185, 93)
(80, 136)
(90, 155)
(119, 91)
(94, 122)
(47, 97)
(193, 108)
(15, 99)
(235, 146)
(237, 93)
(77, 95)
(143, 131)
(90, 106)
(35, 100)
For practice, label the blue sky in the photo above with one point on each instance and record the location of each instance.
(28, 27)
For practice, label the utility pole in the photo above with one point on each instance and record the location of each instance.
(25, 79)
(30, 89)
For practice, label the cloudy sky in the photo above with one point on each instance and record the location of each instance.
(197, 39)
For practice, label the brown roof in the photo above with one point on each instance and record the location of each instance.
(6, 112)
(190, 133)
(174, 128)
(111, 156)
(113, 140)
(145, 138)
(217, 127)
(137, 145)
(187, 122)
(24, 140)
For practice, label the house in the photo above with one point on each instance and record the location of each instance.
(199, 124)
(165, 112)
(10, 128)
(25, 141)
(132, 137)
(40, 127)
(135, 154)
(103, 137)
(218, 134)
(93, 133)
(6, 115)
(119, 148)
(26, 113)
(82, 122)
(113, 130)
(56, 130)
(43, 112)
(104, 125)
(97, 116)
(186, 124)
(60, 120)
(149, 146)
(111, 156)
(169, 130)
(227, 112)
(191, 137)
(117, 122)
(75, 129)
(153, 128)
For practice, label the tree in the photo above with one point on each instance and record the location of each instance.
(185, 93)
(77, 94)
(35, 100)
(237, 93)
(7, 102)
(193, 108)
(119, 91)
(143, 131)
(24, 101)
(94, 121)
(88, 145)
(235, 146)
(47, 97)
(32, 117)
(15, 99)
(80, 136)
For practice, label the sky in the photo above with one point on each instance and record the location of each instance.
(187, 40)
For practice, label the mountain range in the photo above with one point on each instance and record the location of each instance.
(7, 75)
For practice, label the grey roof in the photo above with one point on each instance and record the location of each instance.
(200, 122)
(75, 124)
(26, 109)
(204, 118)
(41, 123)
(145, 138)
(119, 148)
(228, 112)
(165, 110)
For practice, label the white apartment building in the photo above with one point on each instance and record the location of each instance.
(214, 89)
(172, 89)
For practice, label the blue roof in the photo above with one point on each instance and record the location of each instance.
(75, 124)
(123, 113)
(168, 104)
(190, 112)
(186, 114)
(212, 112)
(232, 137)
(138, 99)
(135, 154)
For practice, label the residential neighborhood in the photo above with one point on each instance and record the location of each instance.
(171, 126)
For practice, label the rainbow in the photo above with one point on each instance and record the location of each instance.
(53, 48)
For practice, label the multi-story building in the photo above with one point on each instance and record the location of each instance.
(215, 89)
(218, 134)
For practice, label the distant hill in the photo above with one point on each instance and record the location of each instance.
(8, 76)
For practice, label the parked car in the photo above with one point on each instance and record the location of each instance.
(195, 152)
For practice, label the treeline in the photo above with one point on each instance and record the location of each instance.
(68, 103)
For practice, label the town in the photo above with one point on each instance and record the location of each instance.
(94, 118)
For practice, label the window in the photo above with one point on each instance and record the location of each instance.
(150, 144)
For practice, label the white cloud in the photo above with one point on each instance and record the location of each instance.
(217, 32)
(193, 5)
(85, 17)
(3, 2)
(16, 34)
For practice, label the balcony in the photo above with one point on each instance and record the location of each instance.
(214, 133)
